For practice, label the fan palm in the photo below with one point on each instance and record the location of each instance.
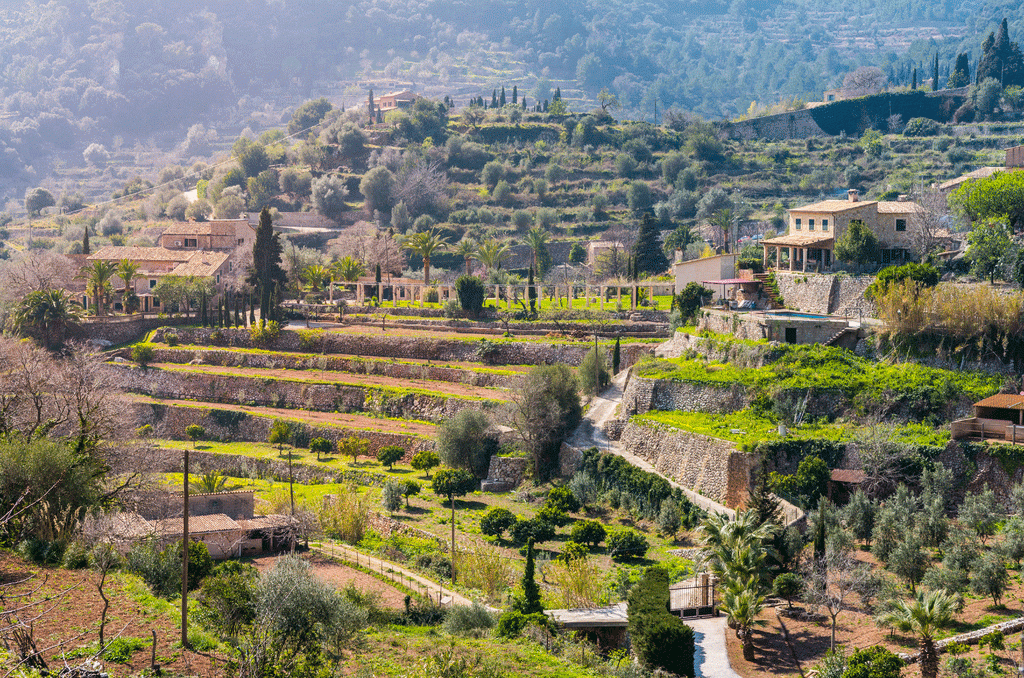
(315, 276)
(97, 276)
(492, 253)
(537, 239)
(735, 547)
(126, 271)
(47, 314)
(348, 269)
(742, 603)
(209, 483)
(425, 243)
(929, 612)
(466, 249)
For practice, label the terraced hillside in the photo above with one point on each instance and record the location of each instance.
(384, 388)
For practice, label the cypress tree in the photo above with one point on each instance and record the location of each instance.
(252, 312)
(913, 83)
(616, 357)
(763, 502)
(935, 73)
(501, 99)
(648, 257)
(494, 98)
(531, 292)
(267, 273)
(85, 240)
(961, 75)
(376, 274)
(531, 592)
(202, 310)
(515, 95)
(370, 107)
(558, 94)
(819, 534)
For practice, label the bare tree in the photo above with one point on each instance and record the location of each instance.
(863, 81)
(33, 271)
(929, 223)
(881, 458)
(424, 189)
(834, 580)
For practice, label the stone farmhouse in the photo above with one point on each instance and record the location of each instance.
(814, 229)
(218, 234)
(389, 102)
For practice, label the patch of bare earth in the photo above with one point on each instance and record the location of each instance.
(341, 577)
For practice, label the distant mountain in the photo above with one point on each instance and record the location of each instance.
(78, 72)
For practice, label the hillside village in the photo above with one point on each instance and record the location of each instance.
(477, 385)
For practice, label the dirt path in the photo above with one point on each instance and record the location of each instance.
(440, 387)
(341, 577)
(355, 421)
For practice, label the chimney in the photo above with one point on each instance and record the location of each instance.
(854, 195)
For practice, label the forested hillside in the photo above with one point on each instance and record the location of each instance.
(78, 72)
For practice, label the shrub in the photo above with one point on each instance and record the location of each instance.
(171, 338)
(921, 127)
(496, 521)
(263, 334)
(555, 516)
(226, 599)
(668, 518)
(594, 378)
(431, 296)
(161, 569)
(660, 640)
(470, 290)
(463, 620)
(321, 446)
(195, 432)
(142, 354)
(391, 495)
(562, 498)
(587, 532)
(626, 544)
(345, 516)
(788, 586)
(512, 622)
(389, 454)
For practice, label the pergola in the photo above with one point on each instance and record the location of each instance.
(800, 248)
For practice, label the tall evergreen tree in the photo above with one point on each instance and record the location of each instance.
(558, 94)
(616, 357)
(648, 256)
(494, 98)
(935, 73)
(531, 591)
(501, 99)
(1001, 59)
(961, 75)
(913, 83)
(202, 311)
(763, 502)
(267, 273)
(85, 240)
(515, 95)
(370, 108)
(531, 292)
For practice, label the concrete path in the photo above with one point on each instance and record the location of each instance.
(711, 659)
(398, 574)
(590, 433)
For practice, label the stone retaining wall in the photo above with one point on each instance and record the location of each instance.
(241, 466)
(267, 392)
(333, 363)
(508, 470)
(710, 466)
(686, 345)
(121, 329)
(825, 293)
(642, 395)
(229, 425)
(385, 526)
(420, 348)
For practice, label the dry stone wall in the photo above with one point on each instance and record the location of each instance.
(710, 466)
(826, 293)
(230, 425)
(121, 329)
(333, 363)
(420, 348)
(266, 392)
(642, 395)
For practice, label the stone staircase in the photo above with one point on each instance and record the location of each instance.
(769, 290)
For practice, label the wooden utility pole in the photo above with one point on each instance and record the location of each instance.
(453, 539)
(184, 559)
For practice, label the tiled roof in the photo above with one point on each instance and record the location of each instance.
(1003, 401)
(897, 207)
(112, 253)
(265, 522)
(201, 264)
(218, 522)
(800, 240)
(848, 475)
(980, 173)
(189, 228)
(833, 206)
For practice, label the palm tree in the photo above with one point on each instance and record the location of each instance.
(425, 244)
(723, 220)
(348, 269)
(742, 604)
(537, 238)
(126, 270)
(97, 276)
(48, 314)
(209, 483)
(466, 249)
(930, 612)
(736, 548)
(492, 253)
(315, 276)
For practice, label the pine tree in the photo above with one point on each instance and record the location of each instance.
(501, 99)
(85, 241)
(1001, 59)
(616, 357)
(763, 502)
(648, 256)
(531, 591)
(515, 95)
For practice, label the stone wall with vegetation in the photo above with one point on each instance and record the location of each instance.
(231, 425)
(497, 352)
(710, 466)
(642, 395)
(283, 393)
(120, 329)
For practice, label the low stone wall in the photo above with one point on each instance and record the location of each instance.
(420, 348)
(121, 329)
(710, 466)
(642, 395)
(229, 425)
(507, 471)
(386, 526)
(241, 466)
(333, 363)
(826, 293)
(281, 393)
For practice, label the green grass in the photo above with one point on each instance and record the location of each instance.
(830, 369)
(747, 428)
